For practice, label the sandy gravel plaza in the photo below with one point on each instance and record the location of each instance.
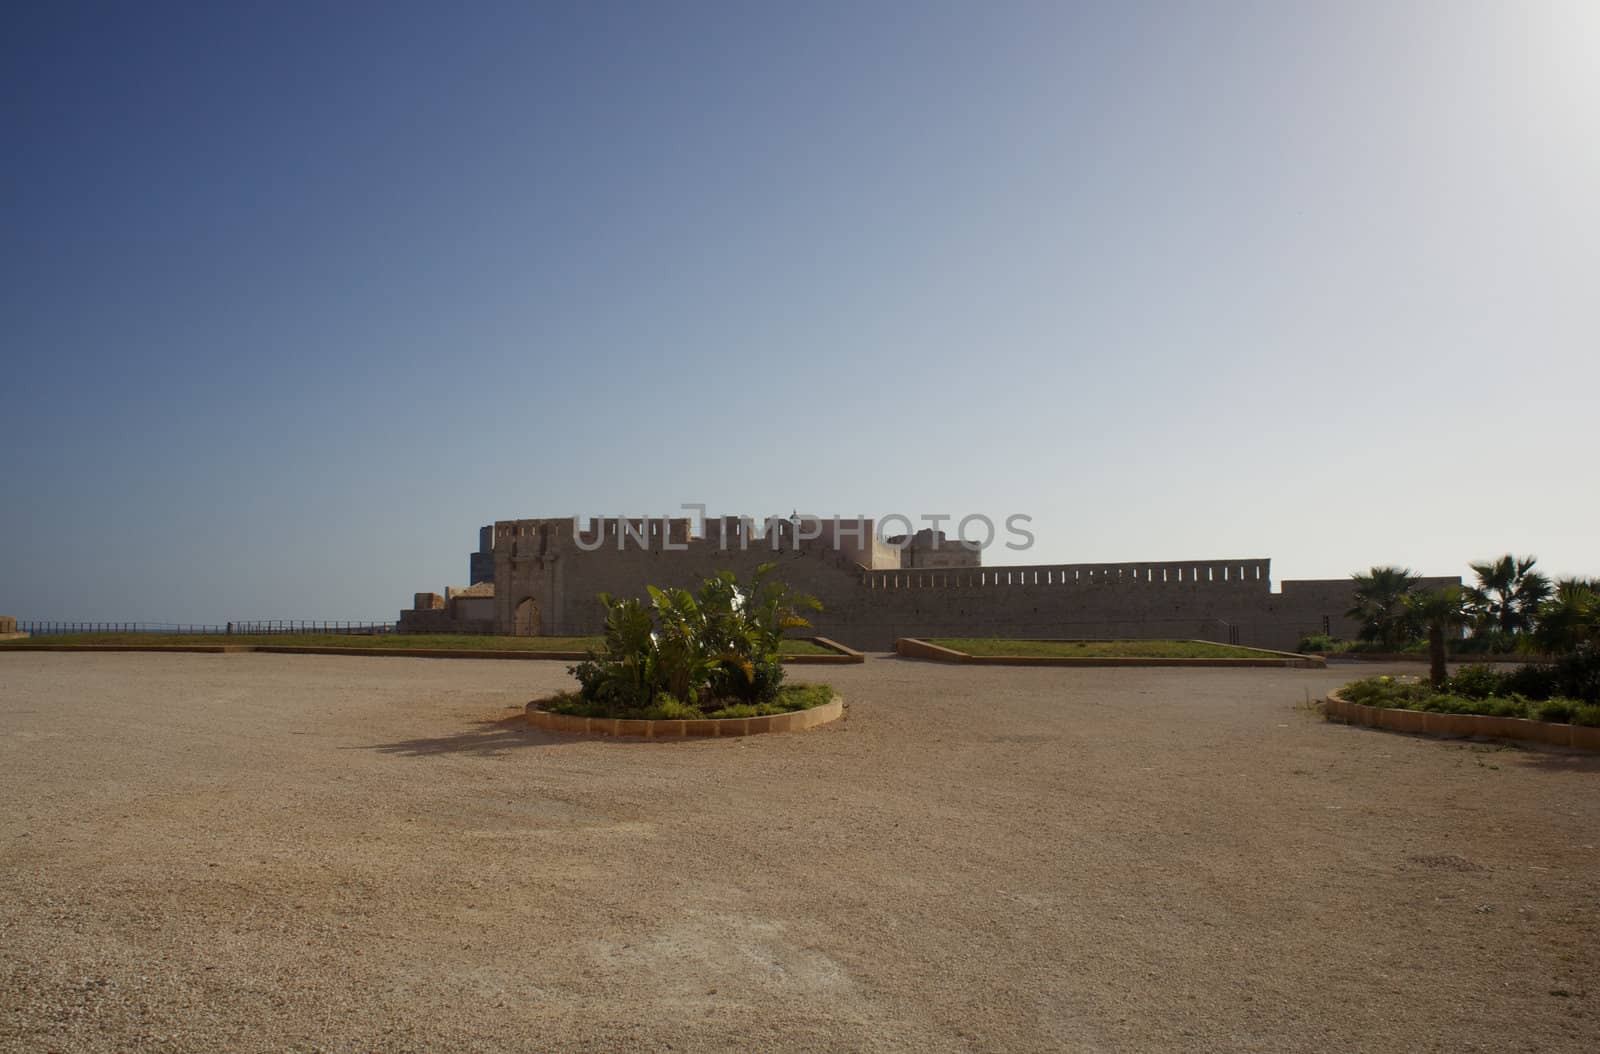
(270, 852)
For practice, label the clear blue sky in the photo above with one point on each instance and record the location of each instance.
(294, 299)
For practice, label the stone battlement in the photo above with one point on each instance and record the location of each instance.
(1256, 574)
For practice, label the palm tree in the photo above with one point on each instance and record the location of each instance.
(1508, 593)
(1443, 612)
(1569, 617)
(1380, 606)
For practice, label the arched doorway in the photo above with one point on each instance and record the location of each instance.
(525, 619)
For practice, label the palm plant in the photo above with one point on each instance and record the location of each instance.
(682, 647)
(1443, 613)
(1569, 617)
(772, 609)
(1380, 605)
(752, 624)
(630, 676)
(1508, 593)
(682, 653)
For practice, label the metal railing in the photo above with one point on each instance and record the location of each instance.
(252, 627)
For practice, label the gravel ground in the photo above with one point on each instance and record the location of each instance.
(264, 852)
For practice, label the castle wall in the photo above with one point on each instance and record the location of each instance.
(541, 561)
(473, 609)
(548, 575)
(1174, 599)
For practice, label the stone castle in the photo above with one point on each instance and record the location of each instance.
(542, 577)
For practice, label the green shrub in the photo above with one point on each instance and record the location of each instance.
(1512, 707)
(571, 703)
(1532, 681)
(1491, 706)
(792, 697)
(1386, 692)
(1586, 714)
(1322, 642)
(666, 708)
(1449, 704)
(742, 710)
(804, 696)
(1577, 674)
(1486, 642)
(1392, 693)
(1476, 682)
(760, 684)
(1574, 676)
(1558, 710)
(681, 653)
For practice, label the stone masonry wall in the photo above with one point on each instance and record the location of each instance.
(541, 563)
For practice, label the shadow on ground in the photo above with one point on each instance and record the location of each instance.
(496, 736)
(487, 738)
(1499, 751)
(1558, 760)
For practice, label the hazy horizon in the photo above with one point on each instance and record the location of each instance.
(295, 300)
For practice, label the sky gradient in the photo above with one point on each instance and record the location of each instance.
(293, 300)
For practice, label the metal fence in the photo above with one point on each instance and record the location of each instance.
(253, 627)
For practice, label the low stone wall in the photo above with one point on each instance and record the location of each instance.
(1549, 733)
(911, 647)
(794, 721)
(441, 620)
(842, 656)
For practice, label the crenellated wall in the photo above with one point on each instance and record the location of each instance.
(1188, 598)
(1243, 573)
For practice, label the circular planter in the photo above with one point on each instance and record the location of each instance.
(793, 721)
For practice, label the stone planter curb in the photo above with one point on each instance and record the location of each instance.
(1463, 726)
(794, 721)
